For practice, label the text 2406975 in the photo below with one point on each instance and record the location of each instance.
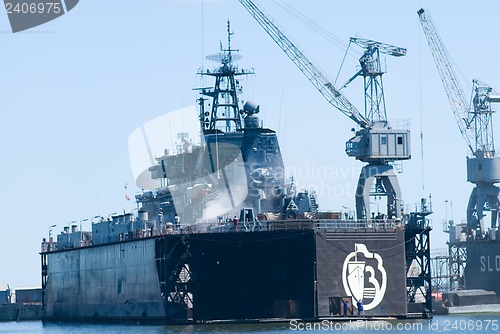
(33, 8)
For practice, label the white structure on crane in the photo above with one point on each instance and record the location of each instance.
(376, 143)
(474, 121)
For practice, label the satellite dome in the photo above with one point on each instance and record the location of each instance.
(251, 107)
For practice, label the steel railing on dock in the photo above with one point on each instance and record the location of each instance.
(256, 226)
(336, 224)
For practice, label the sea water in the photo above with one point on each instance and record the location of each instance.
(479, 323)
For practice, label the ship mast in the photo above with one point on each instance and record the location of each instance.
(224, 115)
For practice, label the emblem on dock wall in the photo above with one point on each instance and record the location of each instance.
(364, 276)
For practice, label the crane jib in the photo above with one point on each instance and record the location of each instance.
(311, 71)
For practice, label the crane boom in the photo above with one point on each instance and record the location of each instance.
(311, 71)
(376, 143)
(446, 71)
(476, 125)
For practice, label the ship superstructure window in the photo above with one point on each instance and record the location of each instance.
(400, 140)
(384, 141)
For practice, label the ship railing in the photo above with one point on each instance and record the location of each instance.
(296, 224)
(300, 224)
(351, 224)
(265, 225)
(336, 224)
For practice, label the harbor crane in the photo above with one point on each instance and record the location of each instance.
(376, 142)
(475, 123)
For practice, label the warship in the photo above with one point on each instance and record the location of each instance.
(227, 237)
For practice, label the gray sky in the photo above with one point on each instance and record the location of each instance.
(75, 88)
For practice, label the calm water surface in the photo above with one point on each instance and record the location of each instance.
(484, 323)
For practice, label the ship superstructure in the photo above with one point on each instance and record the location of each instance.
(238, 164)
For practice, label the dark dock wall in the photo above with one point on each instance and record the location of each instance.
(336, 260)
(20, 312)
(231, 276)
(482, 270)
(117, 281)
(253, 275)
